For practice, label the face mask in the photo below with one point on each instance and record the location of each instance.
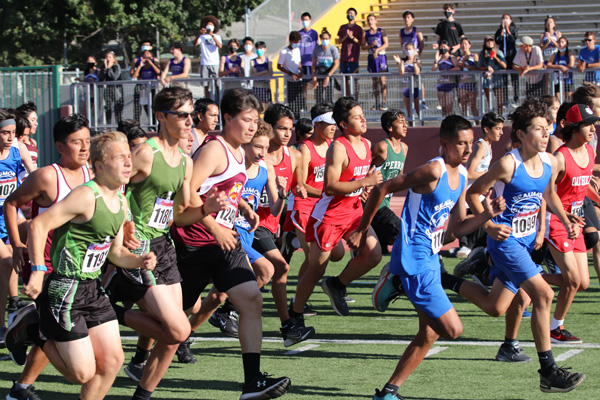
(489, 48)
(210, 28)
(248, 47)
(443, 51)
(260, 52)
(232, 49)
(410, 53)
(325, 42)
(295, 45)
(305, 23)
(448, 14)
(350, 17)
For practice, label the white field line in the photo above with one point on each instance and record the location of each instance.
(388, 342)
(301, 349)
(435, 350)
(568, 354)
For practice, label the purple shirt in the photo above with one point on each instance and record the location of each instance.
(308, 43)
(350, 48)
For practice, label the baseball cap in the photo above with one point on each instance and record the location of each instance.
(525, 40)
(327, 118)
(580, 113)
(488, 37)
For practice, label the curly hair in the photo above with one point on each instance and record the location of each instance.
(213, 19)
(521, 118)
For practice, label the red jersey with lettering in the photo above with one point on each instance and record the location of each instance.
(284, 168)
(573, 186)
(315, 177)
(343, 209)
(231, 181)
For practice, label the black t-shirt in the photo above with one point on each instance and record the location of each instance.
(450, 31)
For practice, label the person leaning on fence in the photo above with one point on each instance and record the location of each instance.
(562, 60)
(262, 66)
(326, 60)
(179, 65)
(209, 43)
(506, 36)
(491, 59)
(247, 57)
(310, 40)
(349, 37)
(467, 84)
(444, 61)
(589, 57)
(146, 67)
(232, 65)
(113, 94)
(528, 59)
(290, 64)
(411, 64)
(375, 41)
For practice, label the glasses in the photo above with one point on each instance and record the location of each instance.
(182, 115)
(588, 40)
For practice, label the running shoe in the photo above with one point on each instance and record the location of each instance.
(349, 299)
(294, 332)
(336, 297)
(184, 353)
(526, 313)
(463, 252)
(226, 321)
(135, 370)
(15, 304)
(512, 354)
(389, 396)
(22, 394)
(469, 265)
(22, 332)
(2, 335)
(388, 288)
(561, 335)
(307, 311)
(265, 387)
(384, 106)
(560, 380)
(550, 263)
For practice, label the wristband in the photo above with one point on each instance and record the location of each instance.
(281, 197)
(39, 268)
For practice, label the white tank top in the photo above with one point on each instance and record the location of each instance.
(62, 187)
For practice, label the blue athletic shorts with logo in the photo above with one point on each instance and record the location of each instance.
(246, 238)
(512, 262)
(425, 291)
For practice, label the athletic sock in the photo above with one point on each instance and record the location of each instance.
(294, 314)
(511, 342)
(141, 355)
(120, 311)
(336, 283)
(390, 389)
(556, 323)
(21, 386)
(546, 362)
(251, 363)
(452, 282)
(141, 394)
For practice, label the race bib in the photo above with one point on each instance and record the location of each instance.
(161, 214)
(320, 174)
(95, 256)
(577, 208)
(524, 225)
(357, 192)
(548, 51)
(437, 240)
(7, 187)
(264, 199)
(227, 216)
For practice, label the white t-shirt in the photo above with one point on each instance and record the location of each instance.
(209, 50)
(290, 59)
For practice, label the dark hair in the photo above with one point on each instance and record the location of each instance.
(562, 112)
(491, 119)
(132, 129)
(324, 31)
(586, 93)
(590, 33)
(27, 108)
(512, 23)
(213, 19)
(248, 38)
(305, 14)
(260, 44)
(408, 13)
(451, 6)
(521, 118)
(277, 111)
(546, 21)
(294, 36)
(67, 125)
(341, 110)
(233, 40)
(234, 101)
(549, 99)
(352, 9)
(303, 127)
(451, 125)
(6, 114)
(177, 45)
(201, 106)
(371, 15)
(570, 129)
(320, 109)
(172, 98)
(22, 124)
(388, 118)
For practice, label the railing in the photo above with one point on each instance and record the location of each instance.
(429, 96)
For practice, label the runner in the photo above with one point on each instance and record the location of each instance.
(219, 165)
(78, 330)
(205, 122)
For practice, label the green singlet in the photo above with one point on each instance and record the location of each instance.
(79, 250)
(391, 167)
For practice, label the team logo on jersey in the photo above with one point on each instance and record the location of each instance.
(234, 193)
(525, 214)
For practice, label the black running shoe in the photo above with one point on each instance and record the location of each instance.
(22, 331)
(184, 353)
(560, 380)
(3, 330)
(135, 370)
(22, 394)
(15, 304)
(226, 321)
(265, 387)
(469, 265)
(336, 297)
(294, 332)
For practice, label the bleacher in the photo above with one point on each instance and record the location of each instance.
(482, 17)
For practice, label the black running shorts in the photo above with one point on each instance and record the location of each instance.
(264, 240)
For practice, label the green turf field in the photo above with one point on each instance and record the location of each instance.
(351, 356)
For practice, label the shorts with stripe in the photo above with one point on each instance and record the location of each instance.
(327, 236)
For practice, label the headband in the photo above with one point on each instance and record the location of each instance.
(7, 122)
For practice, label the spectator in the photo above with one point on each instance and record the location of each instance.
(467, 84)
(290, 64)
(310, 39)
(589, 57)
(178, 65)
(491, 59)
(247, 58)
(326, 60)
(232, 65)
(449, 30)
(411, 64)
(90, 73)
(562, 60)
(113, 94)
(350, 37)
(444, 61)
(506, 36)
(549, 39)
(146, 67)
(528, 60)
(411, 34)
(209, 43)
(262, 66)
(375, 41)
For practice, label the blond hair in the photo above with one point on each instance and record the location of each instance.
(99, 146)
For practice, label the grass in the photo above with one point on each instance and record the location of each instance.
(465, 369)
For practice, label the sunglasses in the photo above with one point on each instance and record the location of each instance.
(588, 40)
(182, 115)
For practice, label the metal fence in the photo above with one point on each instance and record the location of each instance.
(429, 96)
